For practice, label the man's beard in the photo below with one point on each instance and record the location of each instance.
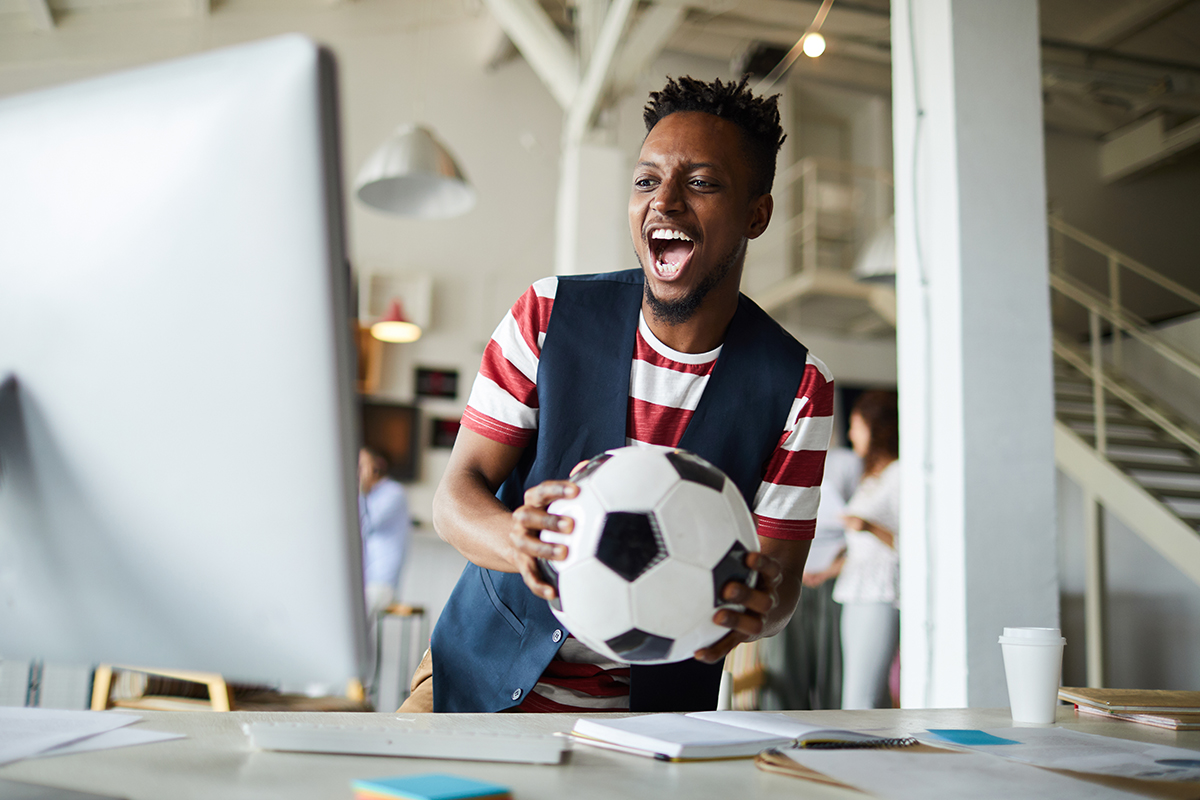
(677, 312)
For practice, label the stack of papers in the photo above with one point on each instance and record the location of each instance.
(37, 732)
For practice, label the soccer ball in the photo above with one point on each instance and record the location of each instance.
(658, 533)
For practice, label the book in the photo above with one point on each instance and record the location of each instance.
(430, 786)
(1160, 719)
(704, 735)
(1133, 700)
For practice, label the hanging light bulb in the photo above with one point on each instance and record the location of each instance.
(395, 326)
(814, 44)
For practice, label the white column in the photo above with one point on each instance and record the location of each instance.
(592, 226)
(977, 541)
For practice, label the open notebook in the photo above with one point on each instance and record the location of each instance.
(714, 734)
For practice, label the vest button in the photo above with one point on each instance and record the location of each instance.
(516, 695)
(556, 636)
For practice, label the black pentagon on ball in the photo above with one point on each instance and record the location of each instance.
(731, 567)
(591, 466)
(697, 470)
(630, 543)
(550, 575)
(637, 645)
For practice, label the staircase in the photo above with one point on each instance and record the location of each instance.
(1168, 470)
(1131, 452)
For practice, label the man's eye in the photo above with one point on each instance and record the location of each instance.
(644, 183)
(700, 183)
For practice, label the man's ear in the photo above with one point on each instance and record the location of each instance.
(760, 215)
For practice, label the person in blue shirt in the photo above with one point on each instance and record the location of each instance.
(383, 519)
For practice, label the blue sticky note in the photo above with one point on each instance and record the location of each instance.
(431, 786)
(968, 737)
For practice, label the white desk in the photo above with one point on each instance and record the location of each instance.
(215, 762)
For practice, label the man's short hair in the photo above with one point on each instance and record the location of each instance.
(757, 117)
(379, 461)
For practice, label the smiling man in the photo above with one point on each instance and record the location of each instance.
(671, 354)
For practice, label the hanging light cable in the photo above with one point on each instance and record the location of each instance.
(812, 44)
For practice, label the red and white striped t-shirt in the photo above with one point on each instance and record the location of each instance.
(664, 389)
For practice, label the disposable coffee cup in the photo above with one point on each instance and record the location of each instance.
(1033, 668)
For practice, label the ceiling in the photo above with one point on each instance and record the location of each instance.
(1106, 63)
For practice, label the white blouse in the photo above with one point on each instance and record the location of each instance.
(871, 573)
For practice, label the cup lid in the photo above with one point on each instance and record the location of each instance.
(1032, 636)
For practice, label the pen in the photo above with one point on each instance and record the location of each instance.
(834, 744)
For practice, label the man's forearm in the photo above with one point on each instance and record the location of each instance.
(468, 516)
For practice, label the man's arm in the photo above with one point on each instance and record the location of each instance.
(467, 514)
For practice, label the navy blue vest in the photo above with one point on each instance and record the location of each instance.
(494, 638)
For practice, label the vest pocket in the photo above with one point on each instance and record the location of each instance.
(486, 576)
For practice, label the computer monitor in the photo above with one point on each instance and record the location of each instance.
(177, 415)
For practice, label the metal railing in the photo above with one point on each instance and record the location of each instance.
(1121, 322)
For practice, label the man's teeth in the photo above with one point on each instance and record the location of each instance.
(667, 233)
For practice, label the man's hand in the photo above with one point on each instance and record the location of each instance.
(758, 602)
(528, 521)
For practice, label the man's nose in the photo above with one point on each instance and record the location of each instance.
(668, 198)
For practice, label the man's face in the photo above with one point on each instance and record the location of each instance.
(691, 211)
(366, 471)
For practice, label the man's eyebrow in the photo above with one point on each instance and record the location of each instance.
(689, 166)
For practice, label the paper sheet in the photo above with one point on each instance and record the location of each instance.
(122, 737)
(28, 731)
(1061, 748)
(897, 775)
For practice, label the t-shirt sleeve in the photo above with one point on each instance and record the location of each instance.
(785, 506)
(503, 405)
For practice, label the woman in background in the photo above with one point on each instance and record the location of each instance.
(868, 584)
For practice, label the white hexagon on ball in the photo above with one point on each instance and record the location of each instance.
(634, 482)
(691, 627)
(595, 602)
(697, 523)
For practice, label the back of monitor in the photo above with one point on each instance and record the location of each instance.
(177, 431)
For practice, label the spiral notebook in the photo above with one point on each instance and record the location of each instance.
(715, 735)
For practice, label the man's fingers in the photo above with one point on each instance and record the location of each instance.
(750, 625)
(547, 492)
(533, 579)
(537, 519)
(527, 543)
(768, 569)
(754, 600)
(719, 649)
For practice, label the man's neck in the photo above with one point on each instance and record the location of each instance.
(703, 331)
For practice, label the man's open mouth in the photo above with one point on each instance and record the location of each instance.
(671, 249)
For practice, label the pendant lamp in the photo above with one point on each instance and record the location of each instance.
(413, 175)
(395, 326)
